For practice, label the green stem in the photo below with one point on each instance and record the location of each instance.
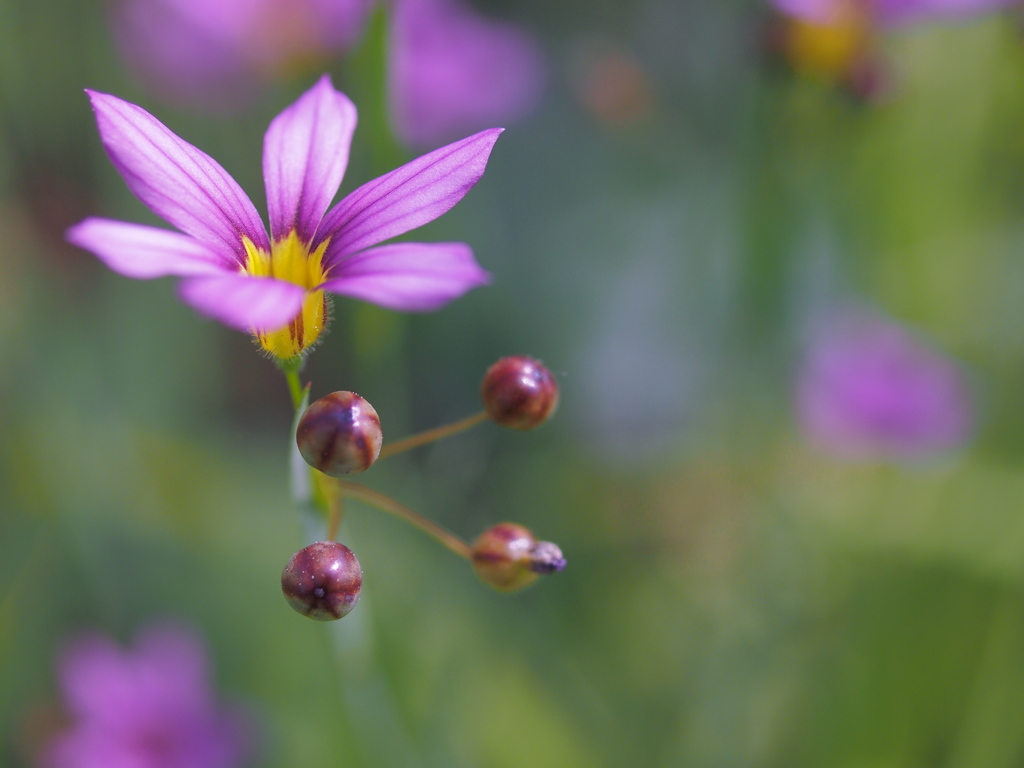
(389, 505)
(291, 368)
(430, 435)
(370, 61)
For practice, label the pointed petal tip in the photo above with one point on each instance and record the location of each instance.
(98, 98)
(177, 181)
(407, 197)
(487, 133)
(71, 232)
(305, 154)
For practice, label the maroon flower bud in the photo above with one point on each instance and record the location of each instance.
(322, 581)
(508, 557)
(339, 434)
(519, 392)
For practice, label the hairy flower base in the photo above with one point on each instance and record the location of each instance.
(290, 259)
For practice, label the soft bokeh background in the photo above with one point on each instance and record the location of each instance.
(663, 232)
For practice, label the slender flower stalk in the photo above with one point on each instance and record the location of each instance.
(274, 286)
(431, 435)
(389, 505)
(335, 512)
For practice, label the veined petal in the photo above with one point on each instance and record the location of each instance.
(178, 182)
(409, 277)
(144, 252)
(243, 302)
(406, 198)
(305, 153)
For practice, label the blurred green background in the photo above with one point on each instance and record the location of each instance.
(733, 597)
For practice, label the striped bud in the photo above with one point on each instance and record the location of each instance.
(322, 581)
(519, 392)
(508, 557)
(339, 434)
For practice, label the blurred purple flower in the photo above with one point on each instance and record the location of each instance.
(147, 707)
(212, 53)
(453, 71)
(870, 388)
(274, 286)
(889, 13)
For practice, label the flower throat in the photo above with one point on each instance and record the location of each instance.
(291, 260)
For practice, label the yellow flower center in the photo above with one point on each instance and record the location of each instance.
(829, 51)
(290, 259)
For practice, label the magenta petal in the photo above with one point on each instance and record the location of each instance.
(406, 198)
(144, 252)
(409, 277)
(305, 153)
(178, 182)
(243, 302)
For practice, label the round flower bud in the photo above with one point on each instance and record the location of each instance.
(519, 392)
(508, 557)
(339, 434)
(322, 581)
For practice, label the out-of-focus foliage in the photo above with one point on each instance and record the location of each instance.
(664, 232)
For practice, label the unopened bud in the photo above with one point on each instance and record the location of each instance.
(508, 557)
(519, 392)
(339, 434)
(322, 581)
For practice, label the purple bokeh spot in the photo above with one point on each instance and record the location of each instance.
(870, 388)
(150, 706)
(452, 71)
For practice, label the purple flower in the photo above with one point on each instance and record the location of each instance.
(148, 707)
(213, 53)
(452, 71)
(274, 286)
(870, 388)
(889, 13)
